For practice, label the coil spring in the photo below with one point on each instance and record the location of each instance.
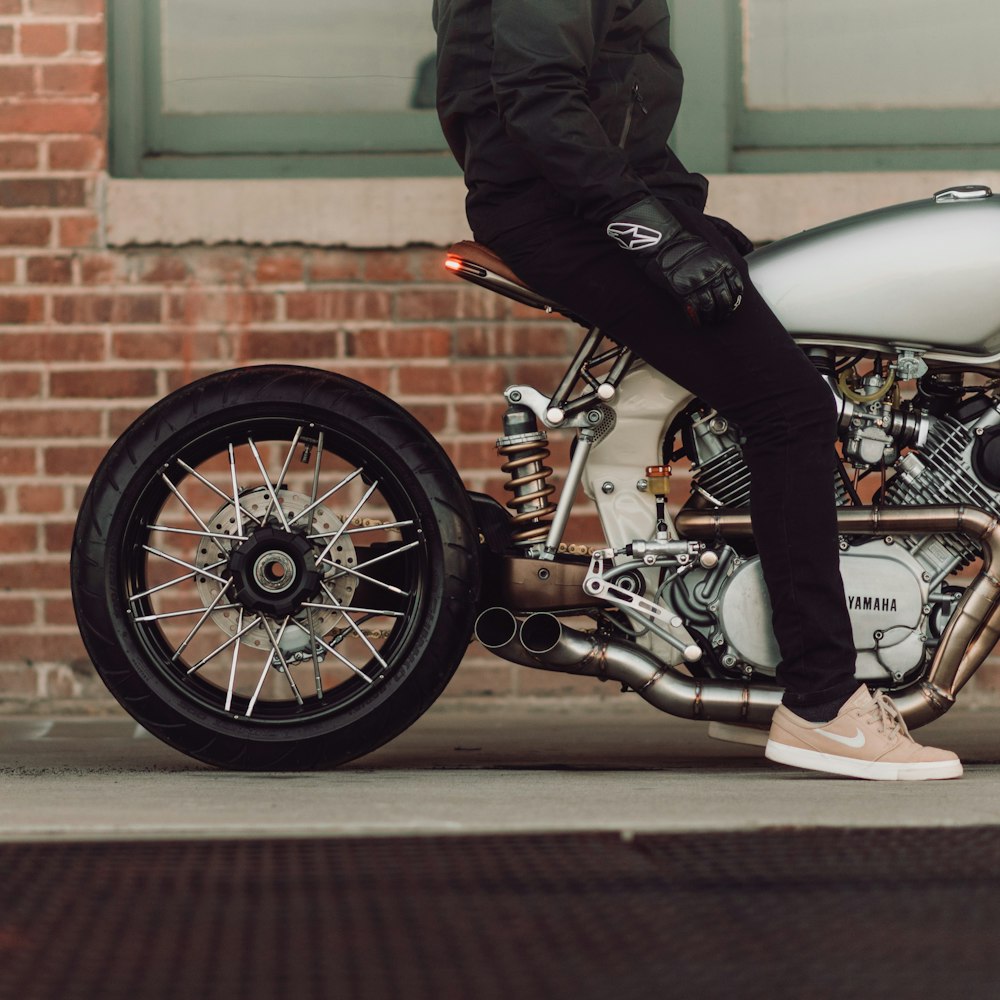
(526, 468)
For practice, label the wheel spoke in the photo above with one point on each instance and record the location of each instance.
(180, 562)
(388, 525)
(270, 489)
(374, 612)
(179, 579)
(221, 493)
(237, 506)
(215, 652)
(201, 621)
(385, 555)
(177, 493)
(312, 647)
(232, 668)
(282, 474)
(347, 520)
(354, 628)
(312, 502)
(276, 646)
(198, 534)
(343, 659)
(181, 614)
(369, 579)
(350, 477)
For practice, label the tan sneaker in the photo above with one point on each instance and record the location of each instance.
(867, 739)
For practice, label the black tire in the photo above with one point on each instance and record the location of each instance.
(302, 679)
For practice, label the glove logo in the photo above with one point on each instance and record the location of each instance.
(632, 236)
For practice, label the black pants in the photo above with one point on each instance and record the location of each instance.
(752, 372)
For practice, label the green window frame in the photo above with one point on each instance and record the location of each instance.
(147, 142)
(718, 133)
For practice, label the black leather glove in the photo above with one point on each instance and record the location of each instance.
(702, 279)
(740, 240)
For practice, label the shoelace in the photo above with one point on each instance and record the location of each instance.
(889, 720)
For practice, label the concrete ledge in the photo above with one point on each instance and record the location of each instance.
(399, 212)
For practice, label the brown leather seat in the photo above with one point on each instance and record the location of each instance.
(480, 265)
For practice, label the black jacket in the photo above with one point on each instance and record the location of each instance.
(560, 105)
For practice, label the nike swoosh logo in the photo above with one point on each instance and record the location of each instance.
(856, 742)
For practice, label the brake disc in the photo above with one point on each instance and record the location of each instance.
(297, 636)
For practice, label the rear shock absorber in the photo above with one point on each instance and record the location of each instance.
(525, 448)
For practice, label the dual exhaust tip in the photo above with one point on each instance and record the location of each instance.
(497, 629)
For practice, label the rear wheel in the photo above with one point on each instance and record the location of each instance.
(275, 568)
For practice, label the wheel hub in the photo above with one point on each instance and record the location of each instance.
(274, 572)
(269, 574)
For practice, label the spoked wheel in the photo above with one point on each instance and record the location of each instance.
(275, 568)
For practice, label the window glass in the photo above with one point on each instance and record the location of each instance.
(296, 56)
(856, 54)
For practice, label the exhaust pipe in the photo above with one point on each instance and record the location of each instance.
(543, 642)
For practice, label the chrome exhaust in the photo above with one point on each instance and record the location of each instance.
(543, 642)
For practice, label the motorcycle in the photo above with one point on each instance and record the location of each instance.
(278, 567)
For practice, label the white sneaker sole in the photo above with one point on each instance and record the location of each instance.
(850, 767)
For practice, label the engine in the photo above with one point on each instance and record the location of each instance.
(897, 592)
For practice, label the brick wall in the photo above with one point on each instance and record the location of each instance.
(90, 336)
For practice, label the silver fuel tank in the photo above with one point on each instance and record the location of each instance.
(925, 275)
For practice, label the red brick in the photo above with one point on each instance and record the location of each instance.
(79, 231)
(87, 153)
(50, 270)
(10, 6)
(8, 270)
(91, 38)
(40, 499)
(376, 376)
(59, 537)
(280, 269)
(52, 347)
(101, 269)
(264, 344)
(6, 39)
(16, 81)
(433, 416)
(18, 155)
(24, 232)
(44, 40)
(76, 461)
(21, 308)
(427, 303)
(120, 309)
(102, 384)
(484, 416)
(16, 611)
(68, 8)
(386, 265)
(59, 612)
(20, 385)
(17, 461)
(50, 645)
(220, 267)
(334, 265)
(543, 375)
(338, 304)
(18, 538)
(400, 342)
(160, 269)
(49, 423)
(164, 345)
(452, 379)
(468, 454)
(73, 79)
(43, 193)
(227, 308)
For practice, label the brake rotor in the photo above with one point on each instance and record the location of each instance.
(271, 568)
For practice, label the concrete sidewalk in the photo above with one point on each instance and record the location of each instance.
(472, 767)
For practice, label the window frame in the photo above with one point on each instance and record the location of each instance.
(145, 141)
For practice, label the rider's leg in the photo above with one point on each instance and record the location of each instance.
(752, 372)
